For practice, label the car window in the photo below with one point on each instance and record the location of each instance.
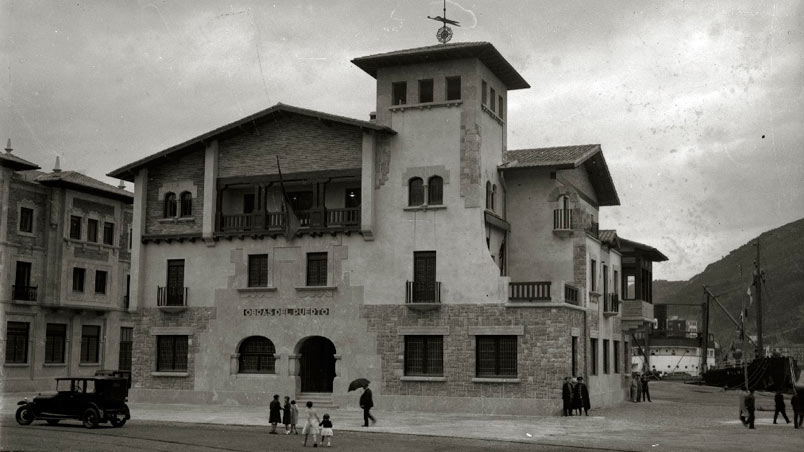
(63, 385)
(90, 389)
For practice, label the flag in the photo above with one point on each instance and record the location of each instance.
(291, 220)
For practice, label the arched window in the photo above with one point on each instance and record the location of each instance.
(416, 192)
(435, 190)
(170, 205)
(563, 202)
(493, 196)
(186, 204)
(488, 195)
(257, 356)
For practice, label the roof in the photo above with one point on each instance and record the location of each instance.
(484, 51)
(81, 182)
(10, 160)
(127, 172)
(569, 157)
(648, 251)
(609, 237)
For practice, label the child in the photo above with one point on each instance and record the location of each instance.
(326, 430)
(294, 417)
(311, 427)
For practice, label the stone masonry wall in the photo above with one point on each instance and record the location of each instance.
(186, 172)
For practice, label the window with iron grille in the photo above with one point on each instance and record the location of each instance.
(616, 357)
(170, 205)
(496, 356)
(55, 338)
(316, 269)
(454, 88)
(186, 209)
(435, 190)
(100, 281)
(605, 356)
(258, 270)
(425, 90)
(75, 227)
(17, 342)
(26, 219)
(416, 191)
(126, 346)
(90, 343)
(108, 233)
(593, 356)
(424, 356)
(78, 279)
(257, 356)
(171, 353)
(92, 230)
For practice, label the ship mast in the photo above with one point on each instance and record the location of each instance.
(759, 275)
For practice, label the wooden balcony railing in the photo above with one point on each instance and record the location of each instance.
(562, 219)
(247, 222)
(348, 218)
(611, 304)
(23, 293)
(529, 291)
(423, 292)
(343, 217)
(171, 296)
(571, 294)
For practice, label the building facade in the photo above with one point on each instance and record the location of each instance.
(675, 347)
(64, 261)
(293, 251)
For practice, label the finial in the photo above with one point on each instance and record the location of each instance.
(121, 185)
(57, 168)
(8, 146)
(444, 34)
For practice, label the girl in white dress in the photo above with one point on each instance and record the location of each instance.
(310, 427)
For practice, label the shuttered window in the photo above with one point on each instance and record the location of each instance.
(126, 347)
(424, 355)
(424, 277)
(90, 344)
(496, 356)
(316, 269)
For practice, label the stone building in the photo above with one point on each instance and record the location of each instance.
(413, 249)
(64, 261)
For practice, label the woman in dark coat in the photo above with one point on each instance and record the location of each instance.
(286, 415)
(582, 397)
(274, 413)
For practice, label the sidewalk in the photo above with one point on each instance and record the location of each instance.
(682, 417)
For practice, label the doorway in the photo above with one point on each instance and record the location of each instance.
(317, 364)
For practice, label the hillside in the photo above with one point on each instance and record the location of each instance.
(782, 254)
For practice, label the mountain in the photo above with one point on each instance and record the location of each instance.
(782, 259)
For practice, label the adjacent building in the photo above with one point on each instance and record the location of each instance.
(64, 265)
(675, 347)
(293, 251)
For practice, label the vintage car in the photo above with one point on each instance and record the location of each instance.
(92, 400)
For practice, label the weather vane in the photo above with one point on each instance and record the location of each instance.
(444, 34)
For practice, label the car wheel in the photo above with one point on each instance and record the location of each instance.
(24, 415)
(117, 421)
(52, 421)
(90, 418)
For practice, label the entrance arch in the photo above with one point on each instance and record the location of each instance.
(316, 364)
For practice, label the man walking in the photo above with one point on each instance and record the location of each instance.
(779, 401)
(645, 390)
(750, 405)
(797, 402)
(566, 396)
(367, 403)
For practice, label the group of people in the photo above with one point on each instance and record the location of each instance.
(575, 397)
(288, 414)
(748, 408)
(639, 388)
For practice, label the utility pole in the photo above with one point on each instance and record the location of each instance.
(758, 284)
(705, 351)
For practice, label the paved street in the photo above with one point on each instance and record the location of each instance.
(681, 418)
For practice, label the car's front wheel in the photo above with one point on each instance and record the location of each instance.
(25, 415)
(90, 418)
(118, 420)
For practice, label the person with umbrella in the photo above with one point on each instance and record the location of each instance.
(366, 401)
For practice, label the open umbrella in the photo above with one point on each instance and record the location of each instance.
(359, 383)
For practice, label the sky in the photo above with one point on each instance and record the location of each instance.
(698, 106)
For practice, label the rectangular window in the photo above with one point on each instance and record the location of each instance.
(493, 96)
(399, 93)
(175, 282)
(127, 298)
(92, 230)
(248, 203)
(316, 269)
(424, 355)
(630, 287)
(616, 357)
(483, 93)
(425, 91)
(424, 277)
(26, 220)
(100, 281)
(90, 344)
(108, 233)
(626, 360)
(78, 279)
(130, 238)
(593, 355)
(616, 287)
(574, 355)
(16, 342)
(500, 108)
(75, 227)
(171, 353)
(258, 270)
(22, 282)
(593, 271)
(55, 339)
(126, 346)
(605, 356)
(496, 356)
(453, 88)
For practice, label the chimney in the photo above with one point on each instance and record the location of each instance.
(8, 146)
(122, 185)
(373, 116)
(57, 168)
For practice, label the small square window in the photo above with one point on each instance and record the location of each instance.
(399, 93)
(92, 230)
(26, 220)
(316, 269)
(454, 88)
(100, 282)
(108, 233)
(75, 227)
(78, 279)
(425, 91)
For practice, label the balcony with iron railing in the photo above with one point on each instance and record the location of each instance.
(23, 293)
(611, 304)
(423, 295)
(171, 298)
(529, 291)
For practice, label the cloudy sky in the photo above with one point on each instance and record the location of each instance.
(699, 106)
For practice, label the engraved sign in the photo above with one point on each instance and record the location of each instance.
(278, 312)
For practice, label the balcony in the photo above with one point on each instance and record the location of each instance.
(529, 291)
(313, 220)
(171, 298)
(562, 222)
(250, 222)
(23, 293)
(423, 296)
(611, 304)
(571, 295)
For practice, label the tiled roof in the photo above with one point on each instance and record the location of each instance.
(609, 236)
(127, 172)
(484, 51)
(10, 160)
(648, 251)
(82, 182)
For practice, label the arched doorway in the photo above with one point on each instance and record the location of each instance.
(317, 364)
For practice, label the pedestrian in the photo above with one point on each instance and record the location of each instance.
(639, 387)
(367, 403)
(326, 430)
(750, 405)
(797, 402)
(582, 393)
(743, 408)
(779, 402)
(274, 413)
(310, 427)
(566, 397)
(645, 390)
(294, 417)
(634, 384)
(286, 415)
